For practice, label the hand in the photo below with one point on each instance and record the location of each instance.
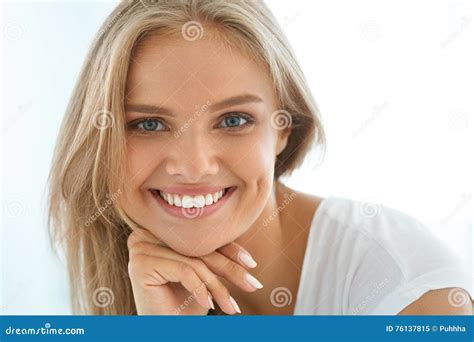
(165, 282)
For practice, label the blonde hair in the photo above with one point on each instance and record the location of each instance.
(88, 165)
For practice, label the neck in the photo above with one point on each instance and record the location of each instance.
(277, 243)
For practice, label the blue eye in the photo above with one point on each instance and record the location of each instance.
(234, 121)
(149, 125)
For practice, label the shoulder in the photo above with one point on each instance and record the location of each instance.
(390, 259)
(446, 301)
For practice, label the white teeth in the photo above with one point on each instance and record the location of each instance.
(199, 201)
(177, 200)
(187, 201)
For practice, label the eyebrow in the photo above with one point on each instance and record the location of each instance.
(231, 101)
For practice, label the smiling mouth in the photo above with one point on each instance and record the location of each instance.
(193, 201)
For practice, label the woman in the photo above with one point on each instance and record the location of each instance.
(165, 185)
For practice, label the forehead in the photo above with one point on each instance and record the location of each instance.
(174, 69)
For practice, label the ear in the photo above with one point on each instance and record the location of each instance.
(282, 140)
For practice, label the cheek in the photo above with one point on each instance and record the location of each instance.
(142, 157)
(252, 157)
(140, 162)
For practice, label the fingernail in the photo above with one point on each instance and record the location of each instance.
(234, 304)
(211, 304)
(253, 281)
(247, 259)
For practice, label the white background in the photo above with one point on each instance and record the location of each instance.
(393, 80)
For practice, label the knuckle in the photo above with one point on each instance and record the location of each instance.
(210, 280)
(233, 268)
(149, 248)
(131, 240)
(135, 264)
(198, 264)
(137, 248)
(219, 287)
(200, 288)
(185, 269)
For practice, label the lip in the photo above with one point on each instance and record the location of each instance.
(193, 213)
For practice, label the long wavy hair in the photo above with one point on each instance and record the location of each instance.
(88, 166)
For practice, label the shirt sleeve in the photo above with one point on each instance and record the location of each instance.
(404, 260)
(409, 291)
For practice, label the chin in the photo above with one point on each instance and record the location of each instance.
(194, 251)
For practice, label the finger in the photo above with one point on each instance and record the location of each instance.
(155, 271)
(232, 271)
(218, 290)
(239, 254)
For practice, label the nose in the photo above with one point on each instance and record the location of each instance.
(192, 156)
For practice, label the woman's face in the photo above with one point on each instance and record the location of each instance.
(198, 118)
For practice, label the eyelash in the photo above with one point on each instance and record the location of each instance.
(249, 120)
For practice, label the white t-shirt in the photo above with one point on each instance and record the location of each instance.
(367, 259)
